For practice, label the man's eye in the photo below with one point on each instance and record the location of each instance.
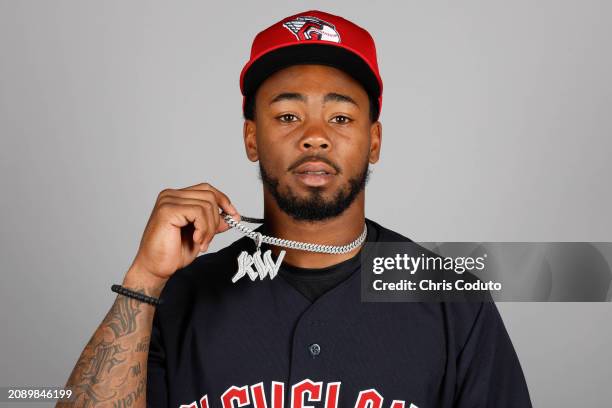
(341, 119)
(287, 118)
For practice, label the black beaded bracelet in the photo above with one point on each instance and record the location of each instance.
(136, 295)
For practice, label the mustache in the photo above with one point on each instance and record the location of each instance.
(310, 158)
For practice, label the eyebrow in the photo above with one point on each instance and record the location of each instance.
(288, 96)
(336, 97)
(330, 97)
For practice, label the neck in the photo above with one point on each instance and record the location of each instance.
(339, 230)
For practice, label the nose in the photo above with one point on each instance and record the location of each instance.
(315, 138)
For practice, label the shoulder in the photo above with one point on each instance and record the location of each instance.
(463, 312)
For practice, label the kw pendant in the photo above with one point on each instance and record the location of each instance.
(264, 266)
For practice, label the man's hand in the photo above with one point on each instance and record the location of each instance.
(182, 224)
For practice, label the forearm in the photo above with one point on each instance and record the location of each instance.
(112, 369)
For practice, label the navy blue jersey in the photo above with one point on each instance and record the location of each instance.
(265, 344)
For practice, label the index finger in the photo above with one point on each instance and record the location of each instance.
(222, 200)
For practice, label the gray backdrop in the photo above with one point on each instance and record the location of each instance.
(497, 127)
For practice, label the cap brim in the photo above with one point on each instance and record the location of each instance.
(304, 53)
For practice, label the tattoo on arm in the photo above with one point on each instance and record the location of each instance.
(109, 371)
(122, 317)
(143, 345)
(133, 372)
(132, 397)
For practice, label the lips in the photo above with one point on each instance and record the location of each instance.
(315, 168)
(314, 173)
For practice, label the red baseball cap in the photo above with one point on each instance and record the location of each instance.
(314, 37)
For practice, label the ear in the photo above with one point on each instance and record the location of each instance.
(375, 141)
(250, 140)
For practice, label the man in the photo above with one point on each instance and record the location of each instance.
(228, 336)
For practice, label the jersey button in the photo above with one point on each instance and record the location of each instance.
(314, 350)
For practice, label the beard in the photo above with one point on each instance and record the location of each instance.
(315, 207)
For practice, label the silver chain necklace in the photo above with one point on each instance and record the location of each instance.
(265, 265)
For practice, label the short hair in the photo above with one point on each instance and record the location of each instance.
(249, 107)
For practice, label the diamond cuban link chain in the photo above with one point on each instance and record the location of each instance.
(303, 246)
(266, 266)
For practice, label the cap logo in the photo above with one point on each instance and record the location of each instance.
(312, 28)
